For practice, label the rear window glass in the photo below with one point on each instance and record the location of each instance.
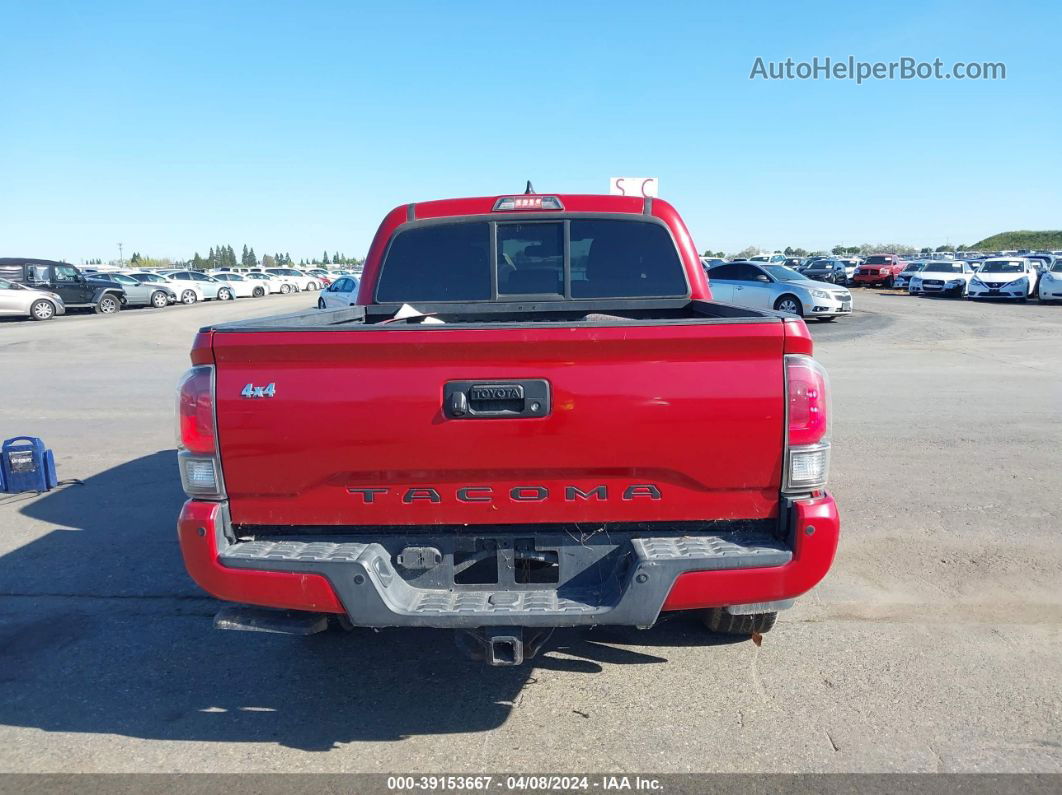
(531, 259)
(603, 258)
(624, 259)
(443, 262)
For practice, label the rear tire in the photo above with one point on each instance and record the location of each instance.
(189, 297)
(789, 304)
(159, 299)
(224, 294)
(716, 619)
(320, 303)
(108, 305)
(258, 292)
(42, 309)
(285, 288)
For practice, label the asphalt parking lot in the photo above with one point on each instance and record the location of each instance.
(934, 644)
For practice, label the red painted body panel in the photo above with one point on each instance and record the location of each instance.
(812, 556)
(202, 352)
(196, 530)
(572, 203)
(696, 410)
(797, 337)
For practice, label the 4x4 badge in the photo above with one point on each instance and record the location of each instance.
(252, 391)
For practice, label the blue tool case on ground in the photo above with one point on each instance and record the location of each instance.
(26, 465)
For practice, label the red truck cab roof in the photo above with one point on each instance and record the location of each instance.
(524, 207)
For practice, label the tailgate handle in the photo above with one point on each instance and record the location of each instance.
(500, 399)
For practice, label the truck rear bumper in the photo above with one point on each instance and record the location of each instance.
(647, 574)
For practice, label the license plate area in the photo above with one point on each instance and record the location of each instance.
(512, 563)
(527, 564)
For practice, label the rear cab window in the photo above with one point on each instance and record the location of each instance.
(547, 258)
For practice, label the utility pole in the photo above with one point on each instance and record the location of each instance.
(121, 259)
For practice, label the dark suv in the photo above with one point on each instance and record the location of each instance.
(78, 290)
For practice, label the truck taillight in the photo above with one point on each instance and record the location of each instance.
(197, 454)
(195, 410)
(807, 458)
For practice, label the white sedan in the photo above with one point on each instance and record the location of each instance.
(304, 280)
(273, 284)
(941, 277)
(241, 286)
(187, 292)
(340, 293)
(1050, 289)
(1004, 277)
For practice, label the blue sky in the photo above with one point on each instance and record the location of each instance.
(296, 126)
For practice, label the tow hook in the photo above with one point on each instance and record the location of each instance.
(502, 646)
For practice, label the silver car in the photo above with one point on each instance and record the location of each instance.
(762, 286)
(903, 278)
(138, 293)
(212, 288)
(19, 300)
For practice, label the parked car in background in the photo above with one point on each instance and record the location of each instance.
(1042, 262)
(1004, 277)
(187, 292)
(903, 278)
(304, 280)
(1049, 289)
(323, 276)
(139, 293)
(759, 285)
(212, 288)
(942, 277)
(342, 292)
(834, 271)
(711, 262)
(21, 301)
(242, 287)
(771, 259)
(850, 266)
(879, 270)
(273, 284)
(76, 289)
(794, 262)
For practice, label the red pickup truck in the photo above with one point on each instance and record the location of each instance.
(880, 270)
(535, 416)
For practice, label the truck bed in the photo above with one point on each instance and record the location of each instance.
(509, 315)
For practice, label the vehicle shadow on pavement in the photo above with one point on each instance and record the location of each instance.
(102, 631)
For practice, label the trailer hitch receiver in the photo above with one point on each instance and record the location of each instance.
(502, 646)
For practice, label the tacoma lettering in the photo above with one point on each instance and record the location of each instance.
(485, 494)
